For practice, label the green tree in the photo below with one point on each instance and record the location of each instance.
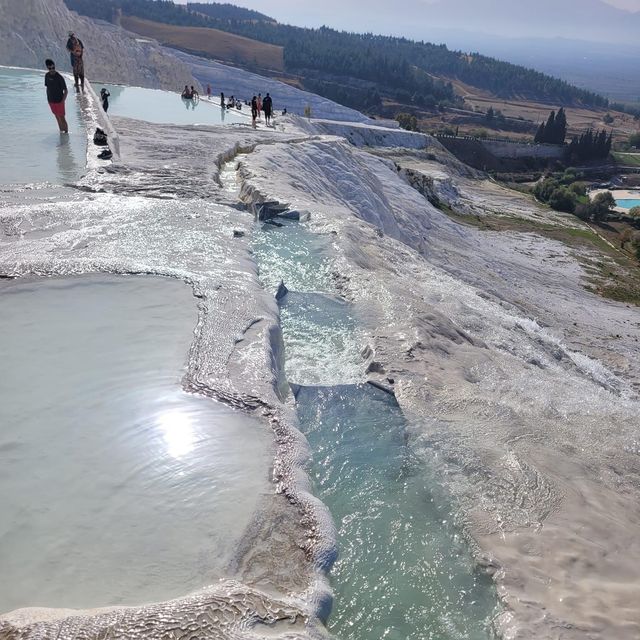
(634, 212)
(634, 139)
(560, 127)
(562, 199)
(407, 121)
(550, 128)
(601, 205)
(579, 188)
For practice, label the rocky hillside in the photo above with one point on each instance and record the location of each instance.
(32, 30)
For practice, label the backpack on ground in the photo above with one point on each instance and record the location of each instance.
(100, 138)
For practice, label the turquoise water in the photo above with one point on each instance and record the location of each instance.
(154, 105)
(32, 149)
(116, 486)
(320, 334)
(628, 203)
(404, 572)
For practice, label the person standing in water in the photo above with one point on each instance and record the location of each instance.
(56, 94)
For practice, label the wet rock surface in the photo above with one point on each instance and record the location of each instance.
(501, 363)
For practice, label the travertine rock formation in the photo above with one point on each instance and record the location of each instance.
(32, 30)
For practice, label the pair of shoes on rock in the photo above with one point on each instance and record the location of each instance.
(105, 154)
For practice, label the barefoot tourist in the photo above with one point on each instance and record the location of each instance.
(56, 94)
(267, 107)
(76, 53)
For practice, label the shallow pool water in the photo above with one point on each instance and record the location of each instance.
(32, 149)
(155, 105)
(116, 487)
(628, 203)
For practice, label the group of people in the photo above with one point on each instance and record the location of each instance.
(190, 93)
(56, 85)
(258, 105)
(57, 89)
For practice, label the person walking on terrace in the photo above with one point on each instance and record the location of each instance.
(56, 94)
(76, 57)
(254, 111)
(267, 107)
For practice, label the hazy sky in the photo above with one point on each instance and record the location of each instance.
(408, 18)
(631, 5)
(333, 9)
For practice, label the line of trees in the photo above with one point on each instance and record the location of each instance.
(387, 63)
(226, 11)
(591, 145)
(568, 193)
(554, 131)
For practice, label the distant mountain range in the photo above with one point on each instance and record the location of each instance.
(579, 19)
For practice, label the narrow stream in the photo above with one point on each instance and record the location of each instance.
(403, 572)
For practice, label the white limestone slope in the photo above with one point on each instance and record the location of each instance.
(505, 365)
(520, 385)
(33, 30)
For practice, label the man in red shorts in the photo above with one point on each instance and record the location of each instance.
(56, 94)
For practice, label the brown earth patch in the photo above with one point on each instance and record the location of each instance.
(210, 42)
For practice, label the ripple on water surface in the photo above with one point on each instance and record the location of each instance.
(403, 571)
(116, 487)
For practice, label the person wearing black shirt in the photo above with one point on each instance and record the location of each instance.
(56, 94)
(254, 111)
(267, 107)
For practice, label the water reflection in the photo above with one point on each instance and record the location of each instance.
(68, 168)
(177, 432)
(116, 486)
(189, 103)
(153, 105)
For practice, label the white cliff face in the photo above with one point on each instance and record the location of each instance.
(33, 30)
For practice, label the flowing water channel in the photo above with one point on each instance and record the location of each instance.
(404, 571)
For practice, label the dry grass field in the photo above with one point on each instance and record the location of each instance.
(216, 44)
(578, 118)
